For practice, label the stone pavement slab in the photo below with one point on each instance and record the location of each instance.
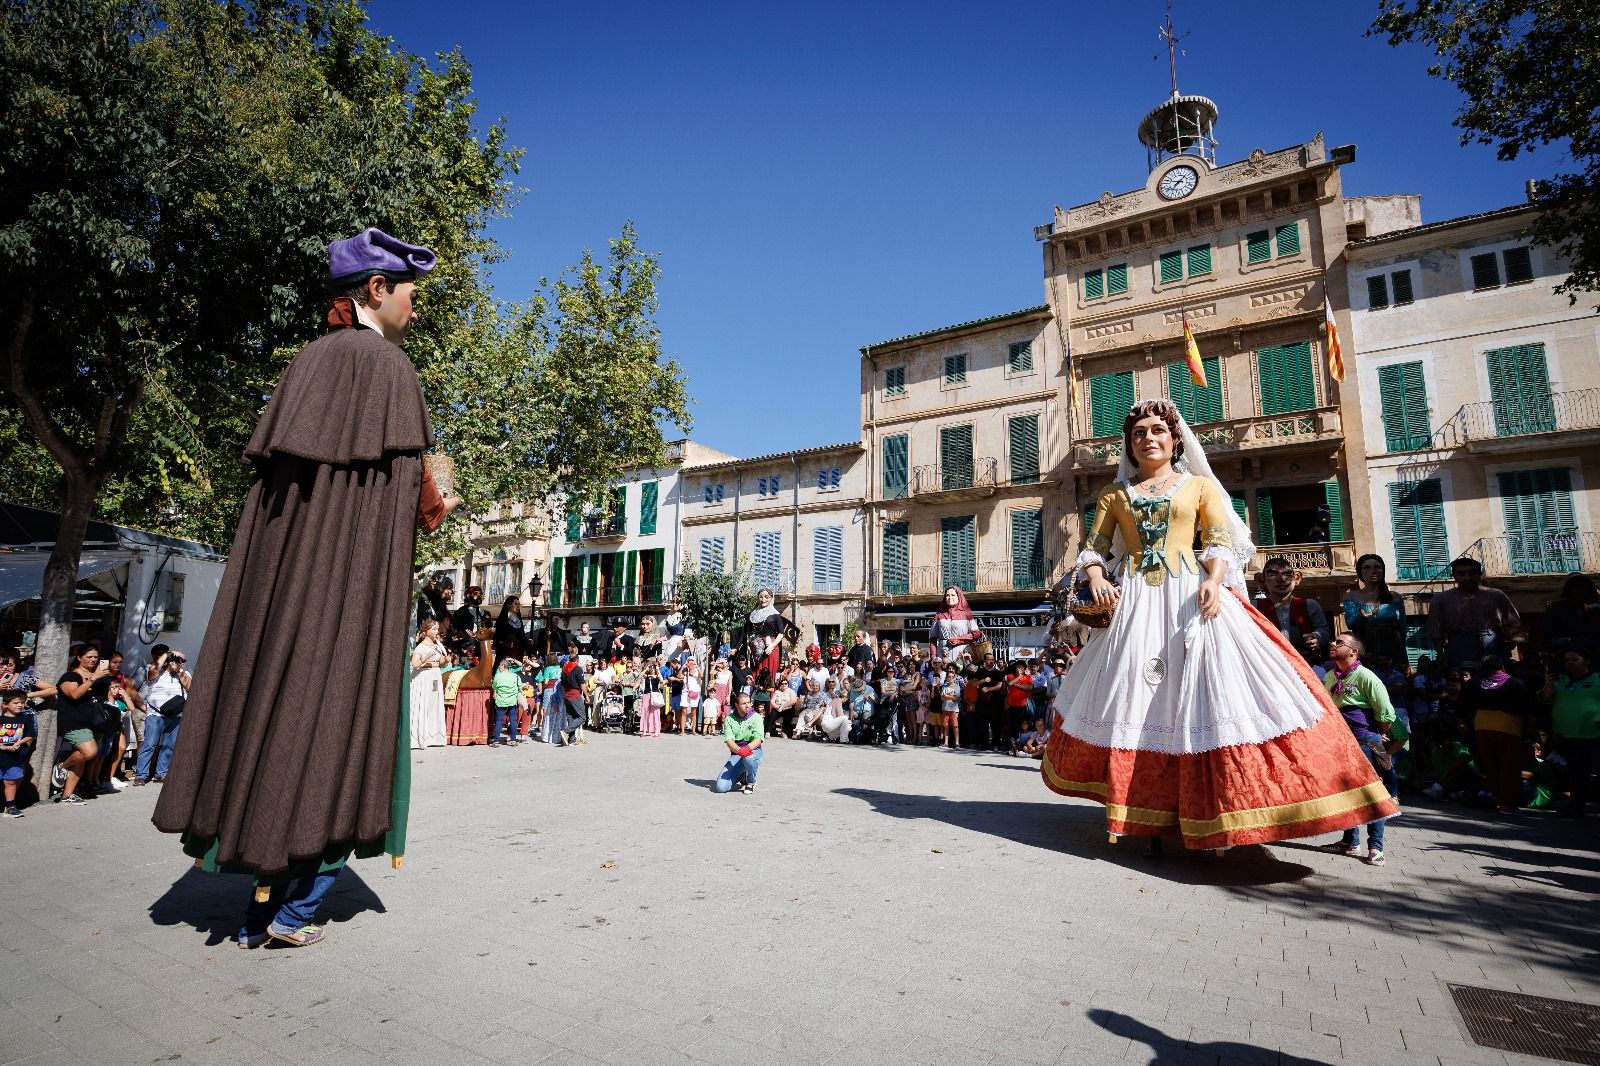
(883, 906)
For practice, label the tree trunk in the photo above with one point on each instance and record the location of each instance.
(57, 599)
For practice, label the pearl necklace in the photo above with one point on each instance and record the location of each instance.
(1149, 487)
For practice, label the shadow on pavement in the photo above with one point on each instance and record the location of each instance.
(214, 904)
(1030, 766)
(699, 782)
(1080, 830)
(1168, 1050)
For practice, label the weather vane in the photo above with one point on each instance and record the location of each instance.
(1172, 39)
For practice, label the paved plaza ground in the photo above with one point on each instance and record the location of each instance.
(874, 906)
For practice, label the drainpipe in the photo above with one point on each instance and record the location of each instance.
(738, 499)
(869, 513)
(794, 495)
(677, 530)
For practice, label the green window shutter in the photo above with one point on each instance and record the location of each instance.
(657, 591)
(649, 499)
(1519, 384)
(1288, 378)
(1485, 271)
(1027, 549)
(1094, 284)
(896, 559)
(1377, 291)
(955, 457)
(955, 369)
(1116, 279)
(1020, 357)
(1404, 396)
(1171, 267)
(1333, 495)
(630, 578)
(1088, 519)
(1240, 508)
(958, 551)
(591, 586)
(619, 579)
(1401, 281)
(1257, 246)
(1289, 239)
(1198, 405)
(1265, 533)
(1416, 510)
(1541, 525)
(557, 564)
(1024, 433)
(619, 508)
(896, 469)
(574, 526)
(1519, 265)
(575, 567)
(1110, 397)
(894, 381)
(1199, 260)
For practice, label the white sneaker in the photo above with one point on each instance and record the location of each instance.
(117, 785)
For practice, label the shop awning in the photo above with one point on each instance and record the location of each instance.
(22, 575)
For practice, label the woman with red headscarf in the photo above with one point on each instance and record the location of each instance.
(954, 626)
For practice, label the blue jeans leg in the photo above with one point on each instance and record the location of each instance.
(169, 744)
(154, 726)
(291, 904)
(737, 771)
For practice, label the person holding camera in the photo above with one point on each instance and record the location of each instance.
(166, 690)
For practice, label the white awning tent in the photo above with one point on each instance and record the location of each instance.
(22, 573)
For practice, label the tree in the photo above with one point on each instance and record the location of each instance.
(715, 602)
(1530, 74)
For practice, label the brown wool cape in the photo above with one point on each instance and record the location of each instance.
(287, 754)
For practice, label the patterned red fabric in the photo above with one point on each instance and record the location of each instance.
(1303, 783)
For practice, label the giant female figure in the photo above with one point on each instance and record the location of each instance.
(1189, 715)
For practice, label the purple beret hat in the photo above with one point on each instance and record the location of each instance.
(373, 251)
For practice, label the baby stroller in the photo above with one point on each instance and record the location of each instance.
(613, 711)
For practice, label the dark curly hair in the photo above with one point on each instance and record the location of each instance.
(1166, 410)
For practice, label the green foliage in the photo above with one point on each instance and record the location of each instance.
(714, 602)
(1529, 72)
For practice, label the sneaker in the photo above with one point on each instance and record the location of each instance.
(13, 812)
(117, 784)
(1374, 857)
(251, 940)
(73, 800)
(156, 780)
(749, 790)
(1433, 791)
(1339, 847)
(302, 937)
(140, 781)
(58, 776)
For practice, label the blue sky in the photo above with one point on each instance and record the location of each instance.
(823, 176)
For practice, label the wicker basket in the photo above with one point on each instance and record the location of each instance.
(1091, 613)
(979, 648)
(442, 469)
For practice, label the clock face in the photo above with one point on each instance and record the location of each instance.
(1178, 182)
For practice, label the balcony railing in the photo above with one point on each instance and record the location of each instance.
(604, 527)
(954, 480)
(1339, 557)
(993, 577)
(650, 595)
(1507, 422)
(781, 582)
(1236, 434)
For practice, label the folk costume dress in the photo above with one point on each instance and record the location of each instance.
(1209, 729)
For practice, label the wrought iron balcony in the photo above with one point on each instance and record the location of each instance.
(1509, 424)
(1003, 575)
(649, 595)
(604, 527)
(1319, 559)
(1299, 428)
(1014, 575)
(956, 481)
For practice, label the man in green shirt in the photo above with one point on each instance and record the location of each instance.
(742, 731)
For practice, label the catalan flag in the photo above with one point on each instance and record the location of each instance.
(1335, 353)
(1191, 354)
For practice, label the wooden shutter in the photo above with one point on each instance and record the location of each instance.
(1289, 239)
(649, 494)
(896, 558)
(1401, 282)
(630, 578)
(1088, 520)
(557, 564)
(657, 590)
(1485, 271)
(1258, 246)
(1288, 378)
(1171, 267)
(1403, 393)
(619, 508)
(955, 457)
(1110, 396)
(1265, 532)
(1199, 260)
(1020, 357)
(1024, 434)
(1519, 265)
(1416, 511)
(1541, 526)
(894, 381)
(1240, 508)
(958, 551)
(1116, 279)
(1333, 495)
(827, 559)
(1094, 284)
(769, 559)
(1027, 549)
(591, 586)
(574, 526)
(955, 369)
(1519, 383)
(1198, 405)
(711, 555)
(896, 470)
(1377, 291)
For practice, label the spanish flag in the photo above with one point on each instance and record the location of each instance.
(1191, 355)
(1335, 353)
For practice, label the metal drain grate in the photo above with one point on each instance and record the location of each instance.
(1530, 1025)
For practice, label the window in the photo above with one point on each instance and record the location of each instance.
(1027, 550)
(827, 478)
(1416, 510)
(1404, 396)
(1486, 272)
(768, 487)
(896, 468)
(894, 381)
(958, 551)
(619, 509)
(1019, 358)
(1388, 290)
(1197, 404)
(713, 493)
(1257, 246)
(1023, 432)
(955, 369)
(1110, 396)
(1288, 378)
(1541, 525)
(1199, 260)
(1519, 382)
(1288, 238)
(1098, 283)
(769, 558)
(896, 578)
(955, 457)
(712, 551)
(827, 559)
(1333, 496)
(1171, 265)
(1266, 528)
(649, 495)
(574, 524)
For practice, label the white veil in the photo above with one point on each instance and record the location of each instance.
(1243, 549)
